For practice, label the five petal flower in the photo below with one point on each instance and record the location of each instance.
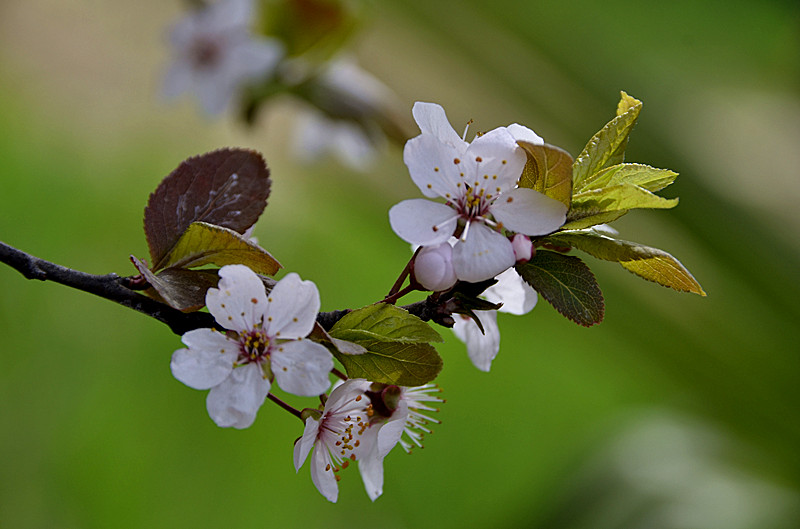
(214, 54)
(265, 342)
(478, 182)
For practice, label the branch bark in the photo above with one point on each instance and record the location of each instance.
(117, 289)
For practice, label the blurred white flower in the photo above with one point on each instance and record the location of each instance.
(265, 341)
(214, 54)
(478, 182)
(316, 135)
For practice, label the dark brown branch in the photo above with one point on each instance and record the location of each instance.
(120, 290)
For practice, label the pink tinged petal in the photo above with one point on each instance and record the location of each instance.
(304, 445)
(434, 166)
(292, 308)
(483, 255)
(422, 222)
(523, 247)
(522, 133)
(529, 212)
(495, 162)
(235, 402)
(239, 301)
(517, 296)
(324, 480)
(208, 360)
(432, 120)
(481, 348)
(433, 267)
(302, 367)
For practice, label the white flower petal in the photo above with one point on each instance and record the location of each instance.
(208, 360)
(481, 348)
(235, 402)
(414, 221)
(304, 445)
(302, 367)
(434, 166)
(483, 255)
(522, 133)
(517, 296)
(495, 162)
(239, 301)
(432, 120)
(324, 480)
(529, 212)
(292, 308)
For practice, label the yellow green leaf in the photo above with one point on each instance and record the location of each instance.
(607, 147)
(204, 243)
(649, 178)
(548, 171)
(646, 262)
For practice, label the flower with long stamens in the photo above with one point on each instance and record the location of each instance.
(347, 430)
(416, 422)
(265, 341)
(478, 183)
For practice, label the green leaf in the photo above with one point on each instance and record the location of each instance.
(204, 243)
(646, 262)
(404, 364)
(607, 147)
(384, 323)
(578, 220)
(567, 284)
(641, 175)
(181, 289)
(548, 171)
(616, 198)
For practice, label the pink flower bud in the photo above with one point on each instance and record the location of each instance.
(523, 247)
(433, 267)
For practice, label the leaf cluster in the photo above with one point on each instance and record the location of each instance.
(198, 217)
(597, 187)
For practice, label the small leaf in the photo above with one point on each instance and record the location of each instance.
(204, 243)
(649, 263)
(616, 198)
(567, 284)
(384, 323)
(607, 147)
(228, 188)
(641, 175)
(405, 364)
(181, 289)
(548, 171)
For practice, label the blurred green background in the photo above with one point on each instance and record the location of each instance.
(676, 412)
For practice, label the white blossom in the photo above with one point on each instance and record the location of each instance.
(478, 183)
(417, 401)
(345, 432)
(266, 341)
(215, 56)
(433, 267)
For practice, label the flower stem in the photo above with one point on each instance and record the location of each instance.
(339, 373)
(285, 406)
(403, 275)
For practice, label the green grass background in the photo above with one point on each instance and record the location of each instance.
(676, 412)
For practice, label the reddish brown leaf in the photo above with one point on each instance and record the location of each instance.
(228, 187)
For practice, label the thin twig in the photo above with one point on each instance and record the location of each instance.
(285, 406)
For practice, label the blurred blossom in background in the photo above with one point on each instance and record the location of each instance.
(676, 412)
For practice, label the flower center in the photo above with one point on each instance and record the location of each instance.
(205, 53)
(341, 431)
(253, 347)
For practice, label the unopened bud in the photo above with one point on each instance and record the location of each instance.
(523, 247)
(433, 267)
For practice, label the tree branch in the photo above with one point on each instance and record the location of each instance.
(120, 290)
